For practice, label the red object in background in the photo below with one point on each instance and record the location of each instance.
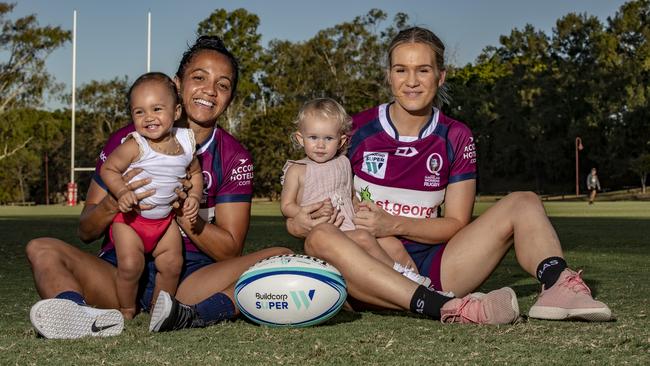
(72, 194)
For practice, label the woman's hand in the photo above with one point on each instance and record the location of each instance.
(191, 208)
(300, 225)
(114, 203)
(100, 206)
(374, 219)
(326, 210)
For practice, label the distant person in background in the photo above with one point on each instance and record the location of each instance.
(593, 185)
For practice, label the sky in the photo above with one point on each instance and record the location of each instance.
(112, 34)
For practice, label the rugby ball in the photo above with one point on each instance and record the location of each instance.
(290, 291)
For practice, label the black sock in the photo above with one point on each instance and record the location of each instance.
(548, 270)
(428, 302)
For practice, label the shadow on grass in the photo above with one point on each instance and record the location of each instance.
(341, 317)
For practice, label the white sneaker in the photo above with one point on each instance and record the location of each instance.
(412, 275)
(65, 319)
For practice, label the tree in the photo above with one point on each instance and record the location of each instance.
(238, 29)
(641, 166)
(267, 138)
(344, 62)
(21, 174)
(23, 77)
(102, 110)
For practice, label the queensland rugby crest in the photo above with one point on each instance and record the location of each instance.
(374, 163)
(434, 164)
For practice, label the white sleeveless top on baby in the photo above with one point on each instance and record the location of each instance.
(164, 171)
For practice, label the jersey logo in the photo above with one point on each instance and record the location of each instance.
(434, 163)
(406, 151)
(365, 194)
(469, 152)
(242, 161)
(374, 164)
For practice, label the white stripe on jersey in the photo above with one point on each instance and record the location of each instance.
(401, 201)
(383, 120)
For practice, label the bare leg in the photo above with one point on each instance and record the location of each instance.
(130, 264)
(368, 279)
(395, 249)
(481, 245)
(370, 245)
(58, 266)
(592, 196)
(220, 276)
(169, 262)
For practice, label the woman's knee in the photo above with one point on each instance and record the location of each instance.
(42, 250)
(523, 200)
(321, 238)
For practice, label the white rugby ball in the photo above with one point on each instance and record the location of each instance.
(290, 291)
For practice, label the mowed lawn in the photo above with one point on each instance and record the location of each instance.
(610, 241)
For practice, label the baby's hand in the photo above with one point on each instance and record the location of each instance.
(191, 208)
(127, 201)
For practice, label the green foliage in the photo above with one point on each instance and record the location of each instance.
(23, 77)
(344, 62)
(267, 139)
(526, 99)
(529, 98)
(32, 134)
(641, 166)
(102, 110)
(238, 29)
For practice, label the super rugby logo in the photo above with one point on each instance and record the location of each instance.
(374, 164)
(302, 298)
(271, 301)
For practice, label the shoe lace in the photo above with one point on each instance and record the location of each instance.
(186, 317)
(575, 283)
(463, 311)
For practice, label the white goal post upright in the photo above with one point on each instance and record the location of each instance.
(149, 41)
(72, 186)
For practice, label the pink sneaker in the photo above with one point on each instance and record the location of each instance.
(496, 307)
(569, 298)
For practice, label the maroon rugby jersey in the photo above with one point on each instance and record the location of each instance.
(407, 176)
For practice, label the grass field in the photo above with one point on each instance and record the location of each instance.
(609, 240)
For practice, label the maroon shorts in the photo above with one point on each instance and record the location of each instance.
(427, 258)
(150, 231)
